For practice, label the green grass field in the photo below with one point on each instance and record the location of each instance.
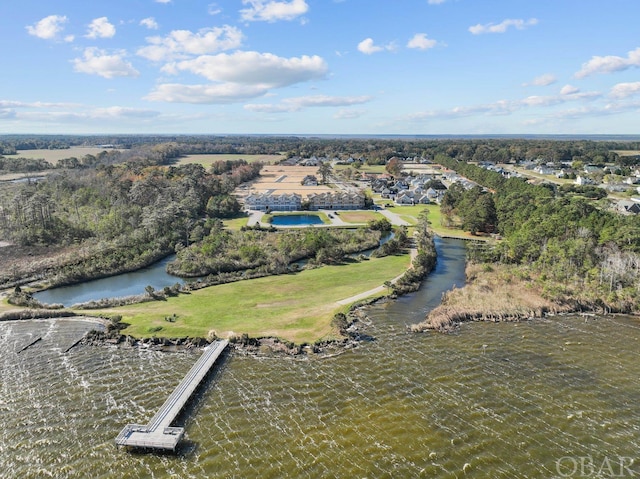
(236, 223)
(297, 307)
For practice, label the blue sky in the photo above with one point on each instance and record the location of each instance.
(320, 66)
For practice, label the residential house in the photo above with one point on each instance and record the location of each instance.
(310, 180)
(628, 207)
(583, 180)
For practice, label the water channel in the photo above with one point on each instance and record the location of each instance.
(133, 283)
(512, 400)
(126, 284)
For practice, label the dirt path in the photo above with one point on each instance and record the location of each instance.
(413, 252)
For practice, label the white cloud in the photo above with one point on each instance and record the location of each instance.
(624, 90)
(348, 114)
(271, 11)
(609, 64)
(237, 77)
(205, 94)
(253, 68)
(368, 47)
(213, 9)
(122, 112)
(49, 28)
(163, 1)
(502, 26)
(36, 104)
(421, 42)
(569, 90)
(505, 107)
(542, 80)
(299, 103)
(179, 43)
(98, 62)
(150, 23)
(436, 2)
(101, 28)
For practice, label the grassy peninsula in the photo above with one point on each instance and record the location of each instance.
(296, 307)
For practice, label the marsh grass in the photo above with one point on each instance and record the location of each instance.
(495, 293)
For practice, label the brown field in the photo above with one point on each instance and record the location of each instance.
(53, 156)
(627, 152)
(278, 179)
(208, 160)
(359, 216)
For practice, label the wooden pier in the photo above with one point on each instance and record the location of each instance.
(159, 434)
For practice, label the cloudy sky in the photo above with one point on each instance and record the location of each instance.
(320, 66)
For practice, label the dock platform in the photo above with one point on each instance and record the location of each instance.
(159, 434)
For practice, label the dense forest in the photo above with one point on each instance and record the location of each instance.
(117, 216)
(572, 243)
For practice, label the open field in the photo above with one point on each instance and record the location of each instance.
(208, 160)
(627, 152)
(359, 216)
(235, 223)
(53, 156)
(297, 307)
(279, 179)
(368, 169)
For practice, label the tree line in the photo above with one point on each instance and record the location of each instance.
(574, 244)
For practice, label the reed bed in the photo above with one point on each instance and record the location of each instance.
(495, 293)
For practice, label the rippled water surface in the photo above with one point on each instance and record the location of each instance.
(491, 401)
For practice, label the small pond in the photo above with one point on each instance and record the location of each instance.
(296, 220)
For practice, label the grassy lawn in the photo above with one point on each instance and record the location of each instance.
(236, 223)
(408, 213)
(208, 160)
(359, 216)
(297, 307)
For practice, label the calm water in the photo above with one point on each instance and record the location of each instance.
(296, 220)
(506, 400)
(127, 284)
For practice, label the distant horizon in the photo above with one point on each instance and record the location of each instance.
(556, 136)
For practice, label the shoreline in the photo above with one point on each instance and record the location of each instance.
(499, 294)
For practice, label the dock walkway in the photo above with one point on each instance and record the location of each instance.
(159, 434)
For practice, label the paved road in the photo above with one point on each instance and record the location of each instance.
(394, 218)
